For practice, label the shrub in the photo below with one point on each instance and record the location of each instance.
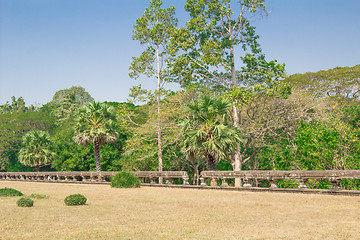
(75, 199)
(125, 180)
(288, 183)
(10, 192)
(38, 196)
(25, 202)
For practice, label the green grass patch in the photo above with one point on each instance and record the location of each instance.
(39, 196)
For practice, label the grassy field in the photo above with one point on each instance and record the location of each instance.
(163, 213)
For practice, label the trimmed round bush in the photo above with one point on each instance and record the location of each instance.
(25, 202)
(125, 180)
(75, 200)
(10, 192)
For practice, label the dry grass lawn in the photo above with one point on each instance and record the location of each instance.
(163, 213)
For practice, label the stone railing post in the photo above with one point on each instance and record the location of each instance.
(273, 183)
(185, 180)
(224, 182)
(167, 181)
(247, 183)
(302, 182)
(335, 183)
(202, 181)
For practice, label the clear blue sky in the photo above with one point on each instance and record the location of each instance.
(48, 45)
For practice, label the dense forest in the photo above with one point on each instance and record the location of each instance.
(223, 118)
(316, 127)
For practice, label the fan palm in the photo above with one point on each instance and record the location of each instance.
(36, 149)
(95, 124)
(206, 131)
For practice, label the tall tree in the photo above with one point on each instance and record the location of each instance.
(154, 29)
(36, 149)
(17, 105)
(66, 101)
(78, 93)
(340, 83)
(142, 147)
(95, 124)
(206, 50)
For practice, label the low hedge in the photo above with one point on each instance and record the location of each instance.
(10, 192)
(125, 180)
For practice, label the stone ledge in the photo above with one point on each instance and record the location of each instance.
(257, 189)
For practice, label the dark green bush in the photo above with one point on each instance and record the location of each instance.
(10, 192)
(75, 199)
(125, 180)
(25, 202)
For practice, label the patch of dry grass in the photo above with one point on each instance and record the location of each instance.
(163, 213)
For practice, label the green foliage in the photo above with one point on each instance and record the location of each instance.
(206, 131)
(25, 202)
(339, 83)
(316, 145)
(13, 126)
(287, 183)
(153, 29)
(351, 114)
(36, 149)
(324, 145)
(95, 124)
(16, 105)
(67, 101)
(318, 184)
(39, 196)
(6, 192)
(205, 48)
(75, 200)
(125, 180)
(350, 184)
(77, 93)
(141, 147)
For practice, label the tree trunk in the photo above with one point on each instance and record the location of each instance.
(236, 121)
(97, 155)
(158, 116)
(211, 162)
(37, 166)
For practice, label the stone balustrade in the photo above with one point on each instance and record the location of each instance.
(334, 176)
(94, 177)
(167, 178)
(58, 176)
(156, 177)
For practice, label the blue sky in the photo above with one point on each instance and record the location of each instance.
(48, 45)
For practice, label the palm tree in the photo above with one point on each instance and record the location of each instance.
(36, 149)
(95, 123)
(206, 131)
